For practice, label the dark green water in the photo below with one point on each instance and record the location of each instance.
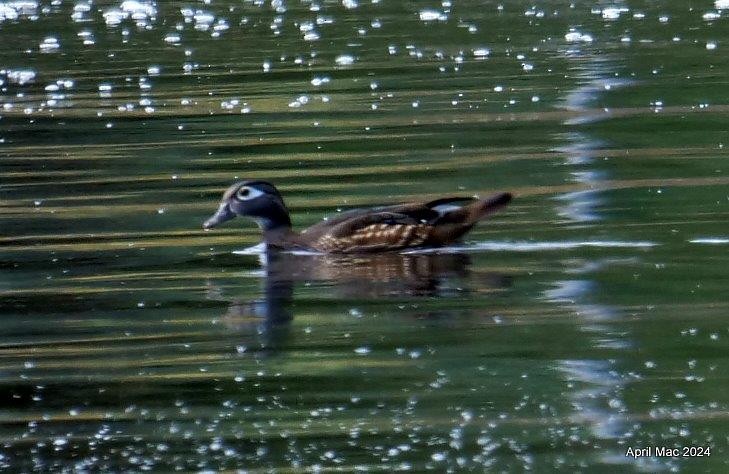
(588, 318)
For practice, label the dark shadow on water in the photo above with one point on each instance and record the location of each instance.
(350, 277)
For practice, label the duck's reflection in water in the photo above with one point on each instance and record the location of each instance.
(360, 277)
(372, 276)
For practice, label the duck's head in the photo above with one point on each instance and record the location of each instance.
(258, 200)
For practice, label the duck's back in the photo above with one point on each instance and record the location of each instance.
(433, 223)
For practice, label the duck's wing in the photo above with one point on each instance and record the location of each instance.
(426, 212)
(332, 221)
(448, 219)
(467, 211)
(372, 232)
(434, 211)
(401, 226)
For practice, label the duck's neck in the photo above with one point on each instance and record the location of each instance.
(276, 227)
(276, 220)
(281, 238)
(274, 233)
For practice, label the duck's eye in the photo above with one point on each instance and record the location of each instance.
(244, 193)
(247, 193)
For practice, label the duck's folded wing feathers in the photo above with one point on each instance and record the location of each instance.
(453, 201)
(374, 231)
(422, 212)
(401, 226)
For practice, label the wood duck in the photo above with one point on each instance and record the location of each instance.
(403, 226)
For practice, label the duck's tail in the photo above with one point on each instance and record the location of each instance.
(485, 207)
(456, 220)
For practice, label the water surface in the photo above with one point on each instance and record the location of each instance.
(587, 318)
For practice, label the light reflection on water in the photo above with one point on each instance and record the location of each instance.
(599, 404)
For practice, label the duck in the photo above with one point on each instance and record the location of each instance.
(399, 227)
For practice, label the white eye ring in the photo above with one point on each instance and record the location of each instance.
(246, 193)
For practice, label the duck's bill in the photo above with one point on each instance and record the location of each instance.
(221, 215)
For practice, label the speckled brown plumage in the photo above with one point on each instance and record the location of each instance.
(433, 223)
(374, 237)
